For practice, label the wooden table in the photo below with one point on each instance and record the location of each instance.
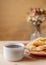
(25, 61)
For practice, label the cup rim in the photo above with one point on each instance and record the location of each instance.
(13, 43)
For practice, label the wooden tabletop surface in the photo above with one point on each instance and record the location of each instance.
(25, 61)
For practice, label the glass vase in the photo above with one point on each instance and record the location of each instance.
(37, 31)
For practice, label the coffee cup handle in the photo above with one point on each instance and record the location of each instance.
(27, 51)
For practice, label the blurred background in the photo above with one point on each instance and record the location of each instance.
(13, 13)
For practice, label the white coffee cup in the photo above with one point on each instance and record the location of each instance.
(13, 54)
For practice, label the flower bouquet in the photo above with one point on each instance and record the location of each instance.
(37, 16)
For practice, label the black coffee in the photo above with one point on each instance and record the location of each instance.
(13, 46)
